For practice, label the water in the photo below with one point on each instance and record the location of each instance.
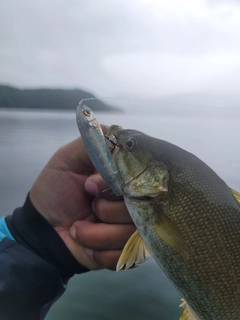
(28, 139)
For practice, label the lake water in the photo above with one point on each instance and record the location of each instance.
(28, 139)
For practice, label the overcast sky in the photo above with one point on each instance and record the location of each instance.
(134, 48)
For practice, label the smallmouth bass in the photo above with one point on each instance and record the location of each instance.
(186, 217)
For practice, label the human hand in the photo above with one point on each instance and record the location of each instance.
(68, 193)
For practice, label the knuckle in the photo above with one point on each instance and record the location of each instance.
(101, 211)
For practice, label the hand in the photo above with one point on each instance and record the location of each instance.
(68, 193)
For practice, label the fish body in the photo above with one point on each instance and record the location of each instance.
(188, 218)
(95, 144)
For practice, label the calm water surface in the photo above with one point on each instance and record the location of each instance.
(28, 139)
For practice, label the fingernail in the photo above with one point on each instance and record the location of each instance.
(91, 187)
(73, 231)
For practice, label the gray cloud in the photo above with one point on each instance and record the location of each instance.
(126, 47)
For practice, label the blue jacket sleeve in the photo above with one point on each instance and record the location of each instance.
(35, 265)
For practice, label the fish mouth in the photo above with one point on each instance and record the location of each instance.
(112, 141)
(112, 145)
(161, 198)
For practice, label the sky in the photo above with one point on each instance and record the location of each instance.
(137, 48)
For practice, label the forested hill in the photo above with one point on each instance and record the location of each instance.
(62, 99)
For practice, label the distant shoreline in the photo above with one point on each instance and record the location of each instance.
(44, 110)
(50, 99)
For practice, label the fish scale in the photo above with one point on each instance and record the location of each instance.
(209, 248)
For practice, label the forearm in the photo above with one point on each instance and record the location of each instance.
(28, 283)
(35, 265)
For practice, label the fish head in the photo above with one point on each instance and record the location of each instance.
(141, 174)
(145, 179)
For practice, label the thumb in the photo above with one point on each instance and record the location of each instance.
(72, 156)
(95, 184)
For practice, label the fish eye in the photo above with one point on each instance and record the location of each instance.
(86, 113)
(131, 143)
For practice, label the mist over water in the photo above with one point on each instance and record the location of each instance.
(29, 138)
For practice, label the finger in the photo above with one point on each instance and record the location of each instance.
(73, 157)
(97, 186)
(104, 128)
(107, 259)
(101, 236)
(111, 211)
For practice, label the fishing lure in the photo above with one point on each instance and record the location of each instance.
(96, 146)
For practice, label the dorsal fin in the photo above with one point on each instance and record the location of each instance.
(236, 194)
(187, 313)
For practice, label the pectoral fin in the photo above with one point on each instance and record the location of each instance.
(170, 234)
(134, 252)
(236, 195)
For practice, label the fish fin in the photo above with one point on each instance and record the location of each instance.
(170, 234)
(187, 313)
(134, 252)
(236, 194)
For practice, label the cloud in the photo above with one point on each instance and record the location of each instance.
(168, 73)
(112, 46)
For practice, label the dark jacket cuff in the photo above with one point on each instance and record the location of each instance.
(30, 229)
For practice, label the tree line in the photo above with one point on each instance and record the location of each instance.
(11, 97)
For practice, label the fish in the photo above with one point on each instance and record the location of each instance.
(95, 144)
(187, 219)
